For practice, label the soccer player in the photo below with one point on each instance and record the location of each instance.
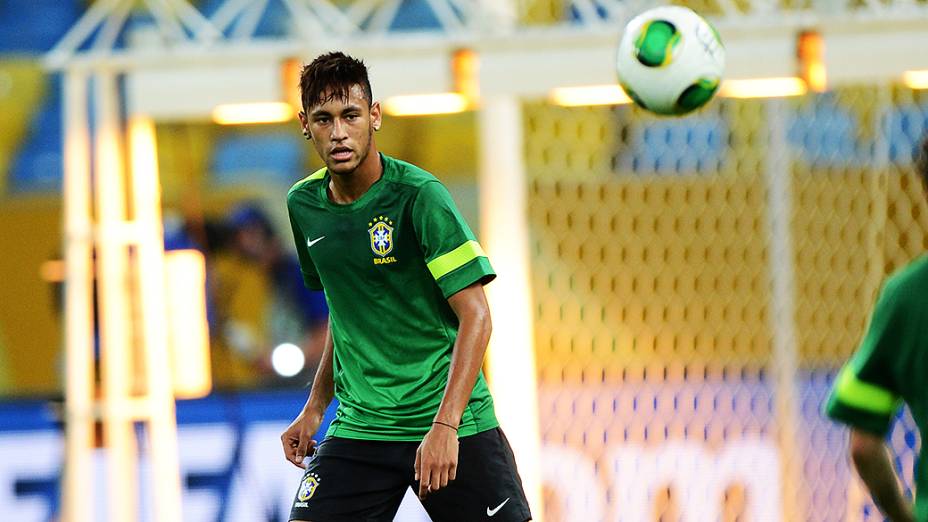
(890, 366)
(408, 328)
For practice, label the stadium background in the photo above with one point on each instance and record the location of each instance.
(653, 249)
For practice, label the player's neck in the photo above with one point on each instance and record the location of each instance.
(349, 187)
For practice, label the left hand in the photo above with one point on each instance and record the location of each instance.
(436, 459)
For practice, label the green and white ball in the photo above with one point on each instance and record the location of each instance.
(670, 60)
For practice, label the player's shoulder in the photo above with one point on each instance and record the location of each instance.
(304, 185)
(405, 173)
(909, 284)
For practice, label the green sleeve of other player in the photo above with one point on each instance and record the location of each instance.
(866, 394)
(310, 275)
(452, 254)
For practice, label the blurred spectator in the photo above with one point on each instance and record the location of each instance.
(262, 302)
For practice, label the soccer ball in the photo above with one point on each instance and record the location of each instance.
(670, 60)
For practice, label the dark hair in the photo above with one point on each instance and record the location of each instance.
(921, 162)
(250, 214)
(331, 75)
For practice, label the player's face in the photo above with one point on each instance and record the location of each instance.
(342, 130)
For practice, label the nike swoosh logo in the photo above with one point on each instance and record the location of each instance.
(491, 512)
(311, 242)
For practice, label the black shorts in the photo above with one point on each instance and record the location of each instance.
(349, 480)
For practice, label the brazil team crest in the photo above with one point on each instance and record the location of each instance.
(381, 232)
(308, 487)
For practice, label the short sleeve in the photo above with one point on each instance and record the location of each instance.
(452, 254)
(866, 394)
(307, 268)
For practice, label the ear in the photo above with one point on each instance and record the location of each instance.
(304, 125)
(376, 116)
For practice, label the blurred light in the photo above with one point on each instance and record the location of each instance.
(52, 271)
(811, 55)
(816, 77)
(424, 104)
(244, 113)
(185, 292)
(465, 65)
(290, 78)
(589, 95)
(915, 79)
(763, 88)
(287, 360)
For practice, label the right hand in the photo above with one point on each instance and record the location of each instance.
(296, 439)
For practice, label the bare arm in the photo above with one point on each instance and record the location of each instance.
(437, 457)
(296, 439)
(470, 305)
(873, 462)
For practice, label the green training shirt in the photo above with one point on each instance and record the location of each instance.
(891, 365)
(388, 263)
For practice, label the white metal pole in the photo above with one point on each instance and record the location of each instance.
(782, 307)
(504, 233)
(150, 280)
(77, 505)
(114, 304)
